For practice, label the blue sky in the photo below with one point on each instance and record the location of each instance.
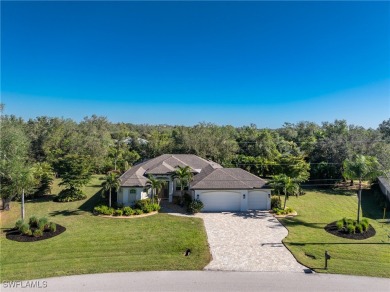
(187, 62)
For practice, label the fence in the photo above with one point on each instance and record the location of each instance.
(385, 186)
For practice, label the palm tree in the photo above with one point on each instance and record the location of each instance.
(361, 168)
(155, 185)
(291, 187)
(277, 183)
(184, 176)
(111, 182)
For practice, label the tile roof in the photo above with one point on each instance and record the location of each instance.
(209, 175)
(227, 178)
(164, 164)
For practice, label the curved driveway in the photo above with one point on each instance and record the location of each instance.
(248, 241)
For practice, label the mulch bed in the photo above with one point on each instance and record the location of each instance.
(332, 228)
(14, 234)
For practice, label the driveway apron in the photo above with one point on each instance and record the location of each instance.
(247, 241)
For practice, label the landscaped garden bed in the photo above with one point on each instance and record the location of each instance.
(140, 208)
(35, 230)
(348, 228)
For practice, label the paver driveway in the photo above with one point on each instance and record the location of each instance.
(247, 241)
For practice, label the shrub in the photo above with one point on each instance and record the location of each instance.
(155, 207)
(18, 224)
(358, 228)
(103, 209)
(365, 224)
(275, 202)
(29, 232)
(38, 233)
(195, 206)
(340, 224)
(288, 210)
(141, 204)
(53, 227)
(344, 221)
(138, 212)
(43, 223)
(118, 212)
(24, 228)
(70, 195)
(33, 221)
(351, 228)
(127, 211)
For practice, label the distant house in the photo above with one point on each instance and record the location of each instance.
(220, 189)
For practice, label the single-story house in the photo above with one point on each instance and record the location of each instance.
(220, 189)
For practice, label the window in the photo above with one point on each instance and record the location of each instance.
(133, 191)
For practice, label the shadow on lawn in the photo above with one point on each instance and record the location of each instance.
(65, 213)
(292, 221)
(94, 200)
(42, 199)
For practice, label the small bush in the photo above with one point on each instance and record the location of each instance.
(70, 195)
(365, 224)
(155, 207)
(43, 223)
(33, 221)
(53, 227)
(103, 209)
(351, 228)
(275, 202)
(340, 224)
(195, 206)
(18, 224)
(29, 233)
(288, 210)
(38, 233)
(344, 221)
(138, 212)
(24, 228)
(358, 228)
(127, 211)
(118, 212)
(140, 204)
(187, 199)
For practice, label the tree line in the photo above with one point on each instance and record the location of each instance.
(306, 151)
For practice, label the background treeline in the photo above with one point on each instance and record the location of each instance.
(303, 148)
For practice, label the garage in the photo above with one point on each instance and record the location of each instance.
(217, 201)
(258, 200)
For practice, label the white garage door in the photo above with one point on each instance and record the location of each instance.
(221, 201)
(257, 200)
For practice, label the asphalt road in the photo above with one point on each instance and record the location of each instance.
(203, 281)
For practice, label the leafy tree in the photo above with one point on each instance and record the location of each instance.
(44, 174)
(14, 146)
(111, 182)
(361, 168)
(183, 175)
(74, 171)
(155, 185)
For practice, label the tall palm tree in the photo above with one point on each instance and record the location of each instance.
(184, 176)
(361, 168)
(291, 187)
(25, 182)
(111, 182)
(277, 183)
(155, 185)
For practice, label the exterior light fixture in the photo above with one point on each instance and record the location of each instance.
(243, 196)
(197, 196)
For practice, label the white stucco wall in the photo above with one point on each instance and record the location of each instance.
(125, 191)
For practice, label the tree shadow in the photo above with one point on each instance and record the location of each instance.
(334, 191)
(65, 213)
(94, 200)
(253, 214)
(293, 221)
(41, 199)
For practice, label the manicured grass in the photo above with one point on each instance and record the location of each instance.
(307, 237)
(94, 244)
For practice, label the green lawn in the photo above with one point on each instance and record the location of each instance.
(307, 237)
(95, 245)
